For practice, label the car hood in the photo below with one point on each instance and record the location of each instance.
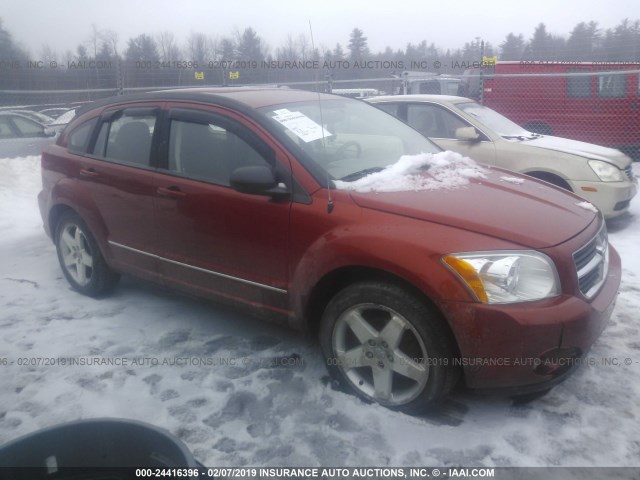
(503, 204)
(583, 149)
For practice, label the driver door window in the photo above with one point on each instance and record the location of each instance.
(209, 151)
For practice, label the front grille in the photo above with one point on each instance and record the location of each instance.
(592, 263)
(628, 172)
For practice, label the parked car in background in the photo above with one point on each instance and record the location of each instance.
(37, 116)
(60, 122)
(21, 136)
(284, 201)
(599, 174)
(55, 112)
(356, 92)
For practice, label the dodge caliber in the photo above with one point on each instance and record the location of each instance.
(417, 268)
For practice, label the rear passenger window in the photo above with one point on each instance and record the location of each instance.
(80, 136)
(126, 138)
(208, 151)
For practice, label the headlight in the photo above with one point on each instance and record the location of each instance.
(507, 276)
(606, 172)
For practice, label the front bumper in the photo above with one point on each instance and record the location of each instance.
(522, 348)
(612, 198)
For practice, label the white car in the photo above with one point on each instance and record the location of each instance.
(599, 174)
(21, 136)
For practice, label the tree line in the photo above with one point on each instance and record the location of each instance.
(161, 59)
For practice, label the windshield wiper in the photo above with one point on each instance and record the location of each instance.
(516, 137)
(362, 173)
(531, 136)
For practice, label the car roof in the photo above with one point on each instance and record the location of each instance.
(452, 99)
(252, 97)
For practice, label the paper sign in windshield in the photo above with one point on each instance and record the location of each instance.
(301, 125)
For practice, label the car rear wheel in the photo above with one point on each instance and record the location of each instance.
(388, 346)
(80, 258)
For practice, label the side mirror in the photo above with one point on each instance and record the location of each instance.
(257, 181)
(468, 134)
(49, 132)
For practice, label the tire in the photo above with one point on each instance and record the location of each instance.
(388, 346)
(80, 258)
(552, 179)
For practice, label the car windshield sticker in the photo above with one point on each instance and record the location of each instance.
(301, 125)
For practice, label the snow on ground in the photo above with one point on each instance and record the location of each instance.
(262, 411)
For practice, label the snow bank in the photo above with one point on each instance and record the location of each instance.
(20, 182)
(426, 171)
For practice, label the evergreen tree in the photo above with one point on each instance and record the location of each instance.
(358, 48)
(142, 48)
(250, 46)
(622, 43)
(227, 49)
(512, 48)
(540, 47)
(582, 42)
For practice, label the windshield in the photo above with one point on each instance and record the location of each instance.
(357, 138)
(496, 122)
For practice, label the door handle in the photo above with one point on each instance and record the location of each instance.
(172, 192)
(89, 172)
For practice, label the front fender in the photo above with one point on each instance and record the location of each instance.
(404, 247)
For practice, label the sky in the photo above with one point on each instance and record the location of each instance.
(64, 24)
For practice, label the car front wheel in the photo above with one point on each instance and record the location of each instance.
(388, 346)
(80, 258)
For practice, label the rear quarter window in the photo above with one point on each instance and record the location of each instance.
(79, 138)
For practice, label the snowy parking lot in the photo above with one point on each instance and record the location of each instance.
(239, 391)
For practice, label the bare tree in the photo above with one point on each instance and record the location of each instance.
(288, 51)
(47, 54)
(199, 47)
(304, 46)
(167, 46)
(110, 38)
